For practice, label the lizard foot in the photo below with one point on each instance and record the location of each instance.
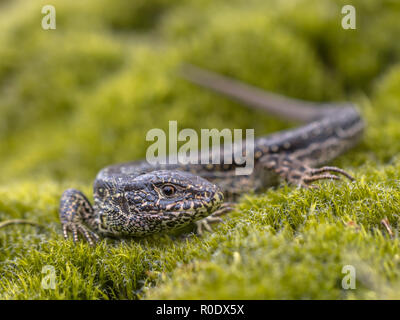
(295, 172)
(75, 229)
(213, 218)
(75, 213)
(323, 173)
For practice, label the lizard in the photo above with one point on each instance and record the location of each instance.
(138, 199)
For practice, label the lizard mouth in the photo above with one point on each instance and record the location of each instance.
(191, 206)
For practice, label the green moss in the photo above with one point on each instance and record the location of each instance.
(139, 15)
(83, 96)
(355, 57)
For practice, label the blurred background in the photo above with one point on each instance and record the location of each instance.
(83, 96)
(77, 98)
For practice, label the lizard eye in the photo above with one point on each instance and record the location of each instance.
(168, 190)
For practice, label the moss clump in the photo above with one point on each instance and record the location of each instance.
(83, 96)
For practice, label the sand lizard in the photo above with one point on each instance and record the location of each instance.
(137, 199)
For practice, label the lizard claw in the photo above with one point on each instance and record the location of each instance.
(213, 218)
(77, 229)
(75, 213)
(312, 175)
(201, 225)
(332, 169)
(320, 177)
(324, 173)
(296, 172)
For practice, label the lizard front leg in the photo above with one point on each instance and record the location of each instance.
(77, 216)
(296, 172)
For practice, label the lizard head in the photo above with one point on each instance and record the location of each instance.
(161, 200)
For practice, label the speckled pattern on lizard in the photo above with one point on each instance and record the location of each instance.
(138, 199)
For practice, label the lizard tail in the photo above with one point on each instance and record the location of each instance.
(283, 107)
